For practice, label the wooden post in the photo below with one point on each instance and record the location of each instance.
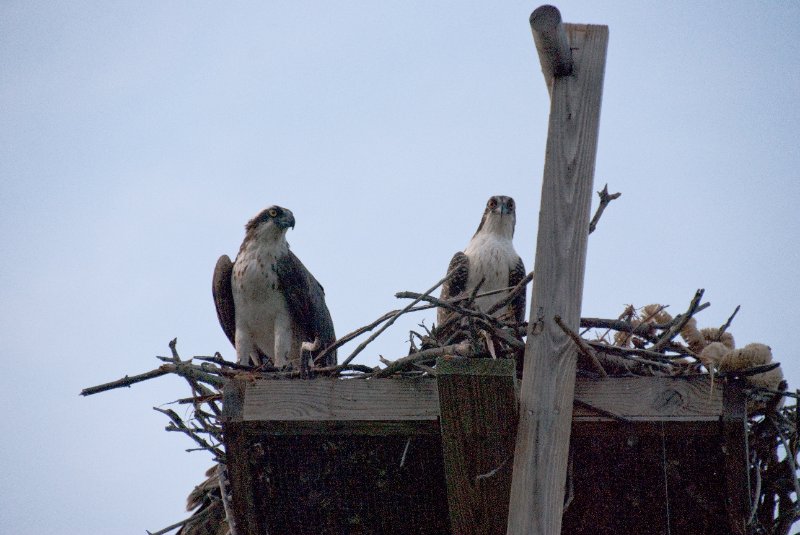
(478, 405)
(735, 455)
(540, 459)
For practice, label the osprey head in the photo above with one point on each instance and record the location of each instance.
(499, 216)
(273, 221)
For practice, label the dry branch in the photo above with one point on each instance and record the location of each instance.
(605, 200)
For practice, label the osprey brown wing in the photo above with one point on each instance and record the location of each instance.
(223, 297)
(305, 299)
(518, 304)
(456, 283)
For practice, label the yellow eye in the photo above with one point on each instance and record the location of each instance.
(273, 212)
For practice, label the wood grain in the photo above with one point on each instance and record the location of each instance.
(479, 423)
(540, 461)
(290, 407)
(649, 399)
(341, 400)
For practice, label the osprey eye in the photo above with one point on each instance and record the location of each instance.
(493, 204)
(272, 212)
(510, 205)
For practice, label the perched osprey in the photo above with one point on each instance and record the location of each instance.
(268, 303)
(489, 256)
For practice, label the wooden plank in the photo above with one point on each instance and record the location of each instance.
(340, 400)
(648, 399)
(478, 421)
(540, 461)
(634, 399)
(735, 455)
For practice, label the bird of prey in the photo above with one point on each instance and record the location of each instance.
(489, 257)
(269, 305)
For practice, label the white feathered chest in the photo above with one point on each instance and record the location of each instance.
(492, 258)
(259, 302)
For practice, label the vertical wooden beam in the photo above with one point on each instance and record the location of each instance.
(736, 458)
(478, 406)
(540, 458)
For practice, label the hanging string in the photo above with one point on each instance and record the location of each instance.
(664, 466)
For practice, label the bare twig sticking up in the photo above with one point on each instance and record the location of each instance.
(605, 200)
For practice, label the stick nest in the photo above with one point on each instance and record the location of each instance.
(640, 341)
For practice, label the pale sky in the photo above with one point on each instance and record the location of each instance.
(137, 138)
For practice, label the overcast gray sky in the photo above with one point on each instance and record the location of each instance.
(137, 138)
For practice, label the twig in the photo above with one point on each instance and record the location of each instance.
(405, 452)
(587, 351)
(388, 324)
(358, 332)
(178, 422)
(441, 303)
(217, 359)
(630, 354)
(520, 287)
(458, 299)
(126, 381)
(633, 351)
(604, 412)
(790, 454)
(728, 324)
(755, 370)
(462, 349)
(605, 200)
(494, 470)
(196, 516)
(757, 494)
(222, 476)
(675, 329)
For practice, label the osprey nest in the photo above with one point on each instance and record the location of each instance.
(645, 341)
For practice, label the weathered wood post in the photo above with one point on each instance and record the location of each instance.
(546, 397)
(478, 418)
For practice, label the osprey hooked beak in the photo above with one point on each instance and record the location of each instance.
(285, 219)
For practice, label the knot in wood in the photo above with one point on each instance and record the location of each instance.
(669, 400)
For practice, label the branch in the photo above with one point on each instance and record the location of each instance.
(178, 422)
(358, 332)
(728, 324)
(676, 327)
(605, 200)
(222, 476)
(126, 381)
(364, 344)
(448, 304)
(463, 349)
(587, 351)
(520, 287)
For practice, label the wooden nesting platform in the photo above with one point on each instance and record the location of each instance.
(434, 455)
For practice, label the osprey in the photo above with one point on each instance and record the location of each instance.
(268, 303)
(489, 256)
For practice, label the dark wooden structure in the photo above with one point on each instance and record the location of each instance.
(648, 455)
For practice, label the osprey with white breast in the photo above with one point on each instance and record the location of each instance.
(268, 304)
(489, 256)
